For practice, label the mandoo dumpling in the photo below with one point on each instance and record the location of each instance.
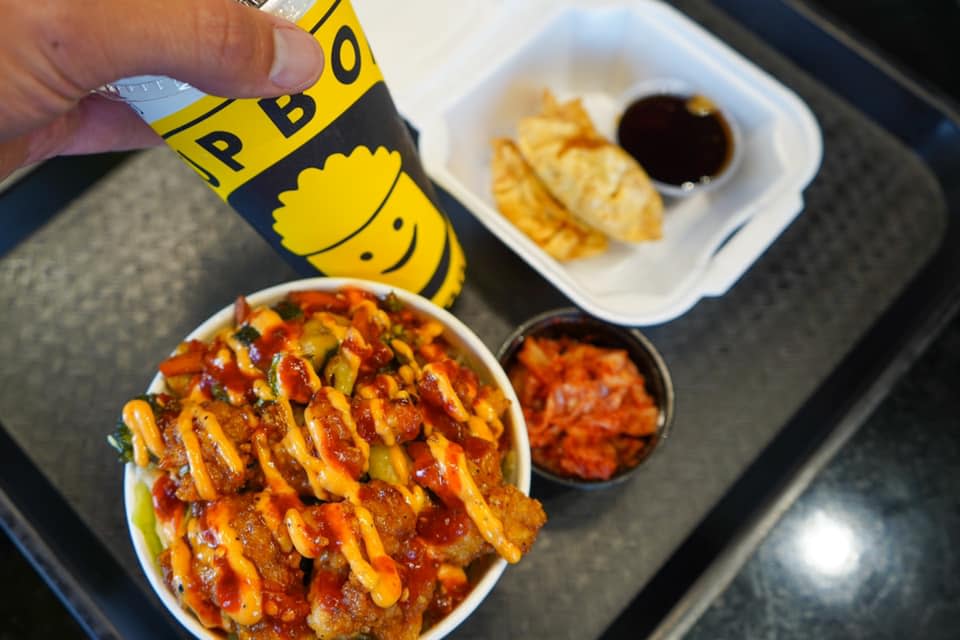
(600, 183)
(523, 199)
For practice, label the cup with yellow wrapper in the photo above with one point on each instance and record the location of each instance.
(330, 176)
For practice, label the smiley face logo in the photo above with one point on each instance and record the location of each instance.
(361, 215)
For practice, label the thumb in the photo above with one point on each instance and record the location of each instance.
(218, 46)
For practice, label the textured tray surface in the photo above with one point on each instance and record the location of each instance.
(99, 296)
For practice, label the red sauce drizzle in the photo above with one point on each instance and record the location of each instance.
(439, 421)
(226, 589)
(357, 346)
(228, 376)
(380, 356)
(451, 478)
(295, 378)
(382, 564)
(418, 569)
(326, 588)
(426, 473)
(271, 343)
(334, 523)
(338, 441)
(442, 526)
(477, 448)
(165, 502)
(363, 416)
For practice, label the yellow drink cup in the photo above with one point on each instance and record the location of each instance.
(330, 176)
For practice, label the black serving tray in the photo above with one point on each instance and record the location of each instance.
(770, 378)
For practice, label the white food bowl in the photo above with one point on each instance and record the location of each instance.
(599, 50)
(479, 357)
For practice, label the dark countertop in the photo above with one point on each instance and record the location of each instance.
(866, 550)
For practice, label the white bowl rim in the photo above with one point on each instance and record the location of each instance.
(132, 474)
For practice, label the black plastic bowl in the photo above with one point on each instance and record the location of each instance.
(585, 328)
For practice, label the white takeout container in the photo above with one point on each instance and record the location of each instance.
(599, 49)
(477, 355)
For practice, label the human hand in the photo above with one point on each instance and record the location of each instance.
(53, 53)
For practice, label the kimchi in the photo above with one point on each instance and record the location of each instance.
(587, 410)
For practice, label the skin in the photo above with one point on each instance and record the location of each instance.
(53, 53)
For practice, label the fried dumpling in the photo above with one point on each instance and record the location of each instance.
(525, 202)
(600, 183)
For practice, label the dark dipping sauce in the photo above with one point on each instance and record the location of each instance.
(675, 139)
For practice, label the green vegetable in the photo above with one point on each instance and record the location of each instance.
(247, 335)
(380, 466)
(509, 466)
(145, 520)
(122, 440)
(392, 303)
(318, 343)
(219, 393)
(340, 375)
(273, 379)
(288, 310)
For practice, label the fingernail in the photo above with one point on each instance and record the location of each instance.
(297, 58)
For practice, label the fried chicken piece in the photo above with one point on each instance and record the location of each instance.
(401, 419)
(450, 536)
(342, 608)
(392, 516)
(273, 424)
(277, 578)
(236, 425)
(521, 515)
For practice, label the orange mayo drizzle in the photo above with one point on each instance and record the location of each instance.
(380, 422)
(353, 359)
(191, 444)
(242, 354)
(334, 479)
(451, 401)
(251, 595)
(198, 468)
(270, 513)
(263, 319)
(379, 576)
(453, 469)
(275, 480)
(403, 349)
(485, 411)
(480, 429)
(296, 446)
(263, 391)
(144, 433)
(300, 535)
(184, 580)
(228, 453)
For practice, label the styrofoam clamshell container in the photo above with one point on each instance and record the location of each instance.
(600, 50)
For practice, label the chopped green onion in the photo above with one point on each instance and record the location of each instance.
(288, 310)
(122, 440)
(247, 335)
